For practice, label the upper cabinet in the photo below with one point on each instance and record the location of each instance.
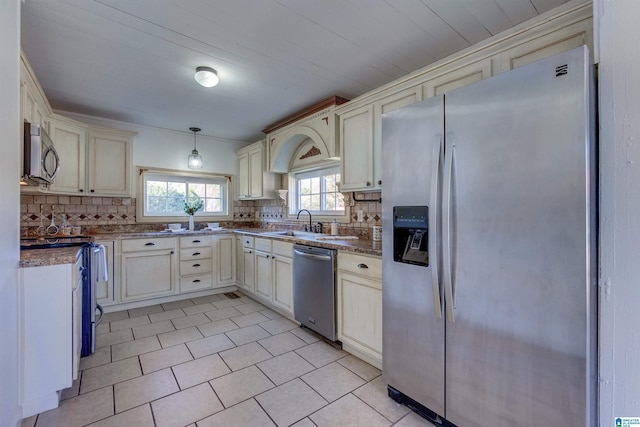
(70, 140)
(254, 182)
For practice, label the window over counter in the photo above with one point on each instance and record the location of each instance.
(162, 194)
(317, 191)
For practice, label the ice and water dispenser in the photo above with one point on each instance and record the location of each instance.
(411, 234)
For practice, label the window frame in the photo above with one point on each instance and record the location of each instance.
(293, 208)
(179, 175)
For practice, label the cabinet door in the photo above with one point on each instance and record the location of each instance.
(225, 256)
(356, 145)
(243, 175)
(104, 289)
(255, 173)
(109, 164)
(239, 262)
(70, 143)
(249, 258)
(264, 276)
(147, 274)
(454, 79)
(283, 282)
(360, 313)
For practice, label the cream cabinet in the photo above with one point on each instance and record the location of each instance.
(109, 161)
(225, 259)
(282, 259)
(196, 263)
(248, 283)
(239, 248)
(148, 268)
(264, 275)
(359, 305)
(70, 140)
(105, 289)
(254, 182)
(356, 149)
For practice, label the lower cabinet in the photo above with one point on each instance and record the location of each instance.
(239, 262)
(264, 275)
(196, 263)
(225, 260)
(359, 305)
(282, 259)
(148, 268)
(249, 270)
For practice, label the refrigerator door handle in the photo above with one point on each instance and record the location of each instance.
(446, 230)
(433, 222)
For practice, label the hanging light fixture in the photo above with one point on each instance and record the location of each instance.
(195, 159)
(206, 76)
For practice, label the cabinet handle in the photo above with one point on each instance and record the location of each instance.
(247, 242)
(363, 266)
(93, 191)
(81, 190)
(149, 244)
(379, 182)
(273, 256)
(195, 241)
(368, 184)
(196, 265)
(196, 281)
(196, 253)
(250, 252)
(171, 253)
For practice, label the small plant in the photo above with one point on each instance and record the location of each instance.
(194, 206)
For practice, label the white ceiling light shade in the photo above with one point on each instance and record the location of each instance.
(195, 159)
(206, 76)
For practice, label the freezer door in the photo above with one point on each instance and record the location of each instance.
(413, 330)
(518, 348)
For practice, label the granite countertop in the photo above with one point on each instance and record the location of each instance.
(40, 257)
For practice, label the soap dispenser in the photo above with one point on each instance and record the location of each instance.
(334, 227)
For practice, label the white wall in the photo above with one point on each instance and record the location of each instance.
(9, 208)
(169, 149)
(619, 92)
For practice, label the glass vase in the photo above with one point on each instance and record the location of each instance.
(191, 224)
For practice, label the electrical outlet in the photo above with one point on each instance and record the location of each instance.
(360, 216)
(257, 214)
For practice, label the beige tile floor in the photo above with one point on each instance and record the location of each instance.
(216, 361)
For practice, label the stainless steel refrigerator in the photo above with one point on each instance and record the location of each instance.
(489, 250)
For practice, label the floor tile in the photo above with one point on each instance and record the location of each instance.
(143, 311)
(134, 348)
(246, 335)
(116, 315)
(285, 367)
(138, 417)
(186, 406)
(375, 395)
(118, 325)
(72, 391)
(305, 422)
(101, 356)
(144, 389)
(249, 319)
(103, 328)
(200, 370)
(199, 308)
(224, 313)
(291, 402)
(245, 414)
(106, 375)
(413, 420)
(282, 343)
(205, 299)
(227, 303)
(332, 381)
(270, 314)
(29, 422)
(169, 339)
(217, 327)
(193, 320)
(306, 335)
(241, 385)
(277, 326)
(80, 411)
(250, 307)
(245, 355)
(210, 345)
(104, 340)
(177, 304)
(359, 367)
(348, 411)
(166, 315)
(320, 354)
(152, 329)
(164, 358)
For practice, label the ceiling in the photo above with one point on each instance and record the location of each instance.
(134, 61)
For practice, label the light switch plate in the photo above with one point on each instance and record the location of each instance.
(360, 215)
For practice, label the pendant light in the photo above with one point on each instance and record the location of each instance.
(195, 159)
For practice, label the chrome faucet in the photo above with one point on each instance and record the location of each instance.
(298, 217)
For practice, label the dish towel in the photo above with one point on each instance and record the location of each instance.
(102, 272)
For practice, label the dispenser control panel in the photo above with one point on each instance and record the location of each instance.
(411, 235)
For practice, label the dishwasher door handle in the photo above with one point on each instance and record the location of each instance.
(312, 256)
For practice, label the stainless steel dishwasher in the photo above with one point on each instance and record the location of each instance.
(314, 289)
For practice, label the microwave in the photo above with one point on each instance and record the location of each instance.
(41, 163)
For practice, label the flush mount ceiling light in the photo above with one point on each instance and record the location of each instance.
(195, 159)
(206, 76)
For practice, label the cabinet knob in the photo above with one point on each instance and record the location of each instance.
(171, 252)
(93, 191)
(368, 184)
(363, 266)
(81, 190)
(247, 242)
(150, 244)
(379, 182)
(273, 256)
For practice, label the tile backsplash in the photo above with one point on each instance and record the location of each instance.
(118, 214)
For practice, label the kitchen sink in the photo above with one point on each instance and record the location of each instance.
(292, 233)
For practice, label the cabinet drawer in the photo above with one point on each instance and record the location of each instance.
(197, 266)
(195, 241)
(247, 241)
(282, 248)
(152, 244)
(262, 244)
(359, 264)
(196, 253)
(194, 283)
